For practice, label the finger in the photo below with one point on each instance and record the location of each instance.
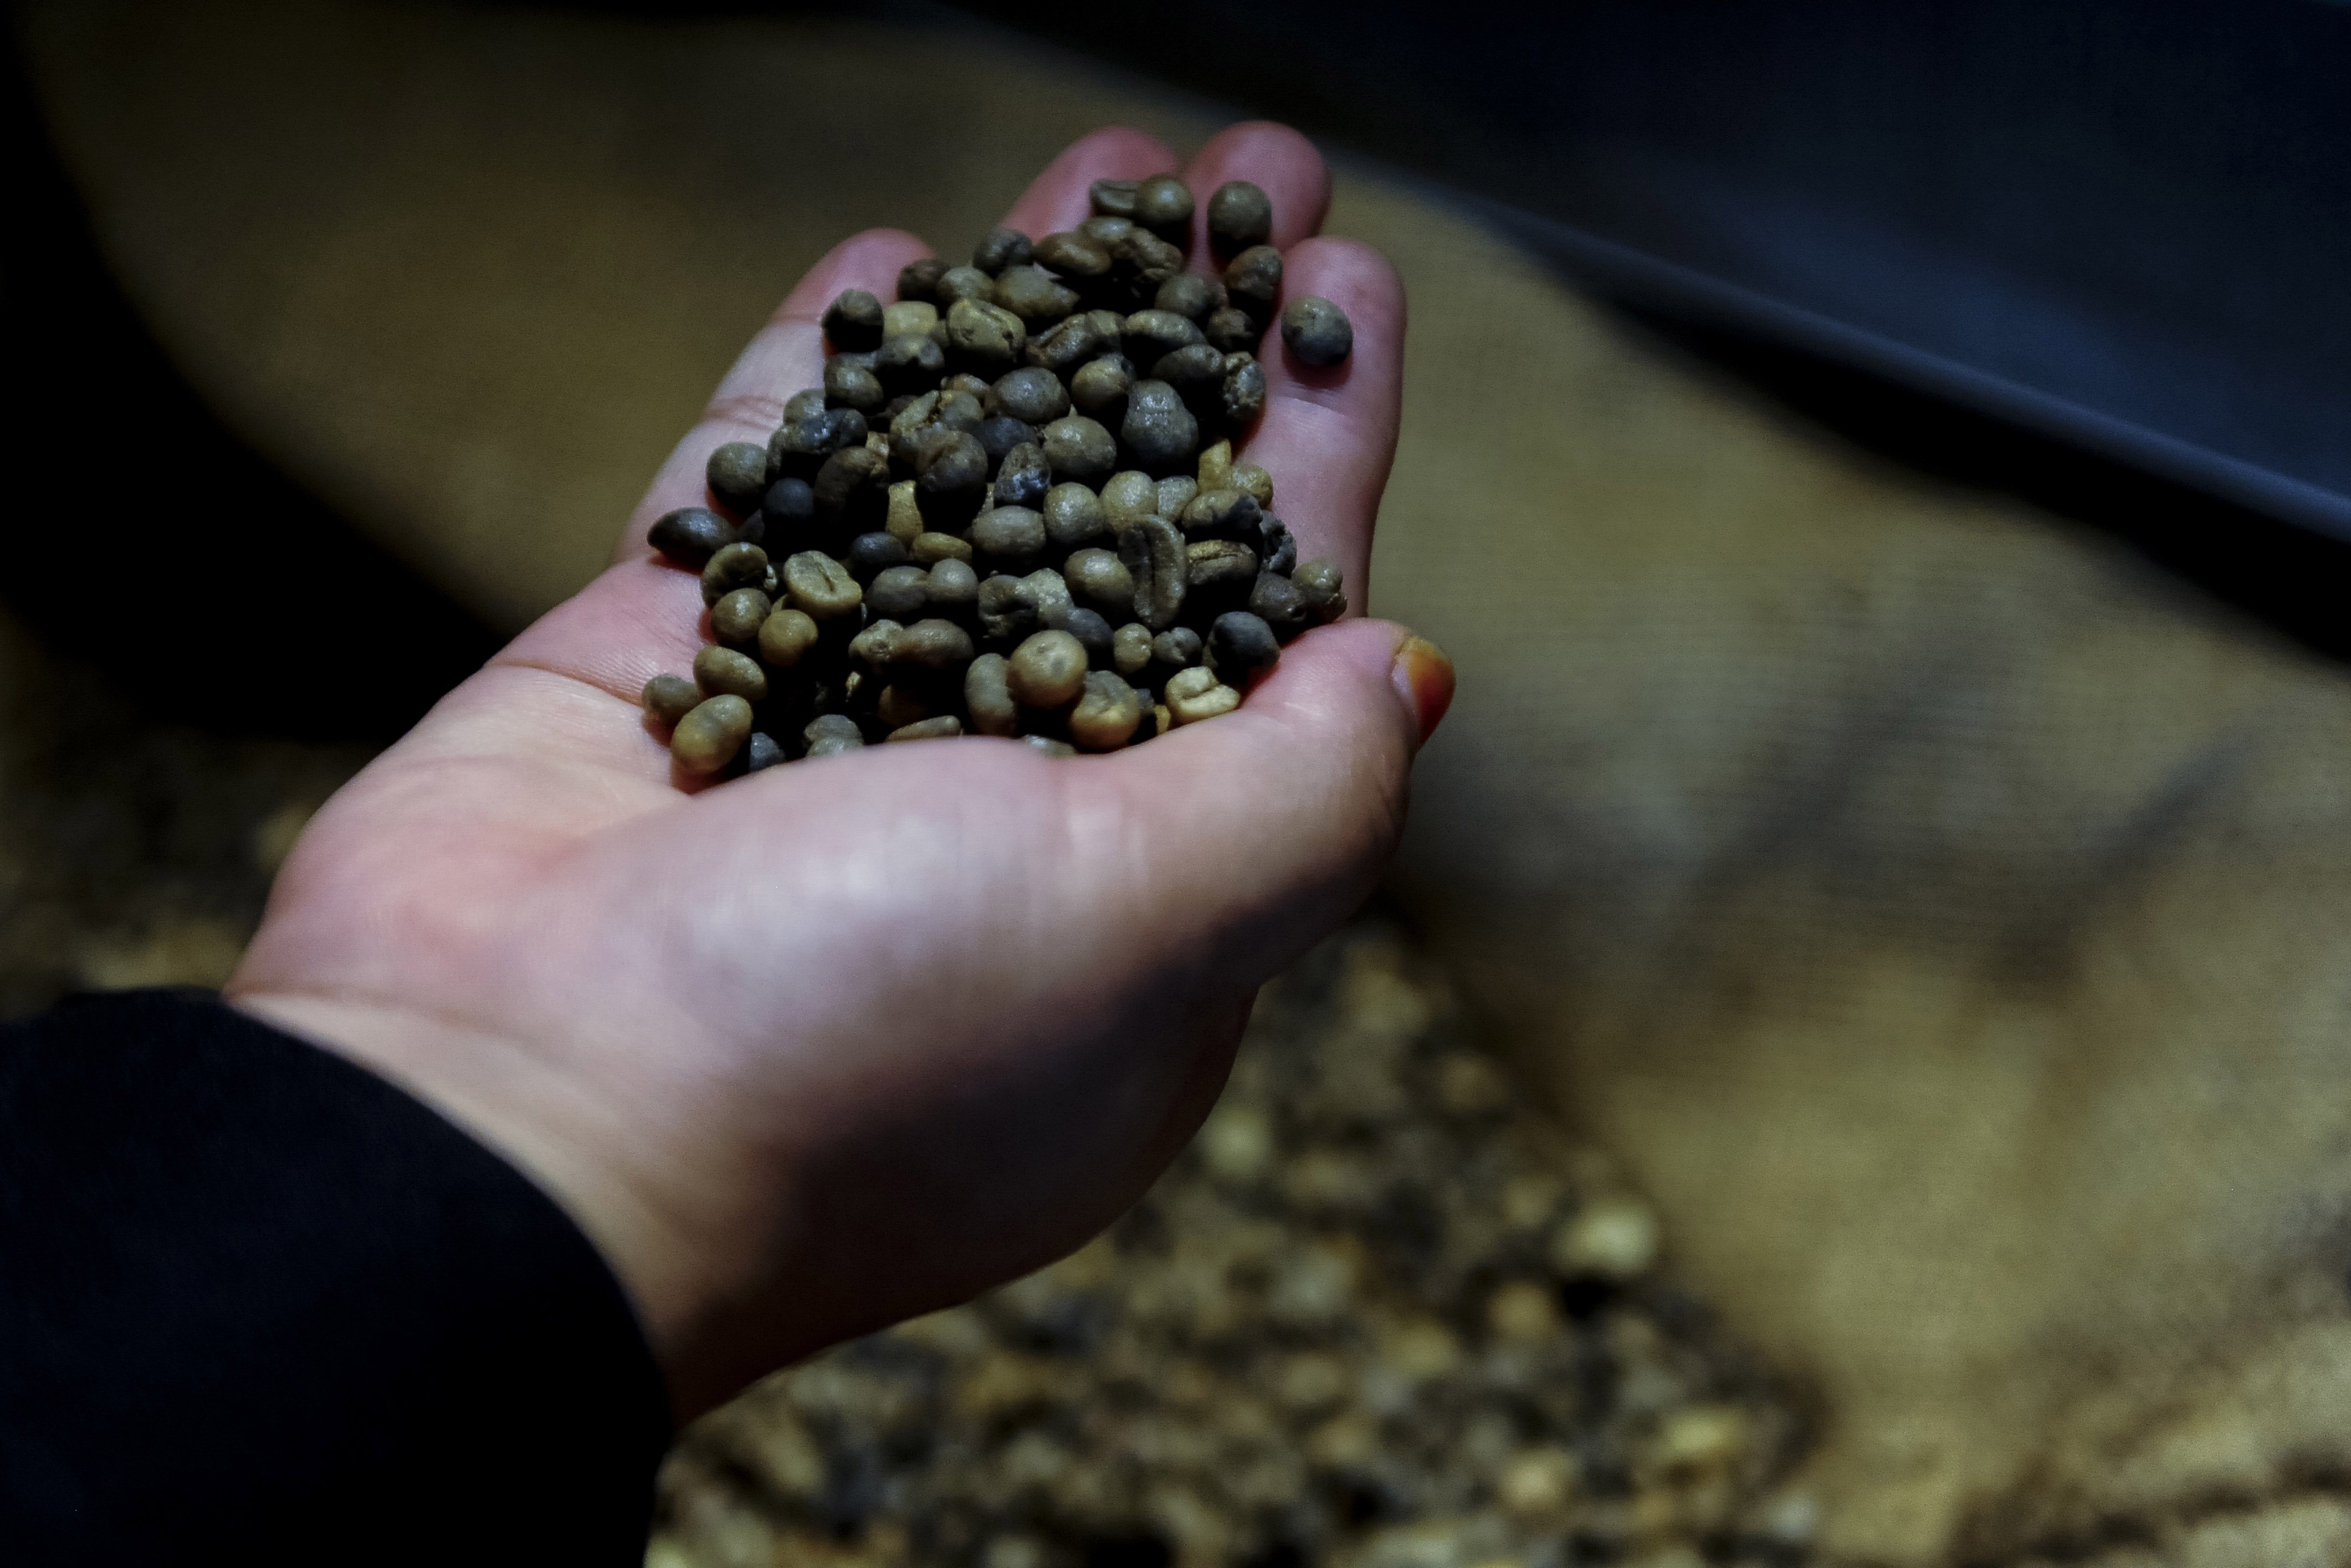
(1056, 200)
(1277, 160)
(1328, 436)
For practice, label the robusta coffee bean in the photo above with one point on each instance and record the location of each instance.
(1162, 203)
(1113, 198)
(737, 475)
(955, 586)
(920, 279)
(1152, 551)
(691, 535)
(1190, 295)
(1001, 434)
(1179, 647)
(1253, 280)
(736, 619)
(1079, 448)
(1033, 394)
(785, 637)
(1073, 255)
(1034, 294)
(1099, 578)
(1316, 332)
(736, 566)
(1074, 515)
(1092, 633)
(1148, 334)
(669, 698)
(830, 733)
(848, 384)
(1241, 646)
(899, 593)
(1047, 670)
(870, 554)
(1231, 329)
(930, 548)
(1067, 345)
(708, 738)
(1243, 393)
(1098, 387)
(1025, 478)
(1008, 534)
(1161, 432)
(1003, 247)
(909, 361)
(1240, 216)
(853, 320)
(1218, 563)
(1107, 713)
(909, 318)
(722, 672)
(961, 283)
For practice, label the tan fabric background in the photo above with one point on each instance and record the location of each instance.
(1942, 913)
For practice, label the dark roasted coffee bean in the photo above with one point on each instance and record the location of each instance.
(1152, 552)
(736, 619)
(1232, 330)
(1099, 389)
(1241, 646)
(1066, 346)
(1002, 248)
(870, 554)
(1148, 334)
(848, 384)
(988, 698)
(1073, 255)
(1034, 294)
(1130, 649)
(1107, 714)
(785, 637)
(853, 320)
(737, 566)
(1242, 393)
(1074, 515)
(1091, 629)
(1161, 432)
(1002, 436)
(946, 726)
(1025, 478)
(1218, 563)
(1008, 535)
(934, 644)
(691, 535)
(954, 588)
(920, 279)
(1190, 295)
(820, 586)
(960, 283)
(1080, 448)
(722, 672)
(1321, 583)
(1278, 601)
(899, 593)
(669, 698)
(1047, 670)
(1316, 332)
(1253, 280)
(1196, 694)
(1005, 615)
(1162, 203)
(1098, 578)
(1113, 198)
(1197, 374)
(761, 752)
(1032, 393)
(737, 475)
(1240, 216)
(707, 739)
(910, 363)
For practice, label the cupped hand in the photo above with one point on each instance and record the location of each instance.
(843, 1041)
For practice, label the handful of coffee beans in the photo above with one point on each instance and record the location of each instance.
(1013, 508)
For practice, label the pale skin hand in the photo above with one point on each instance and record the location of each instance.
(845, 1041)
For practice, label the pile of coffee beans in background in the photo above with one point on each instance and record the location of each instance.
(1014, 508)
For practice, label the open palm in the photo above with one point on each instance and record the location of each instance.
(845, 1040)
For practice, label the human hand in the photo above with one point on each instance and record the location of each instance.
(847, 1039)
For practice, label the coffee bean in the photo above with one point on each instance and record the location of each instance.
(736, 619)
(1177, 648)
(1218, 563)
(1113, 198)
(722, 672)
(954, 586)
(934, 644)
(1232, 330)
(669, 698)
(1079, 448)
(691, 535)
(1320, 582)
(707, 739)
(1253, 482)
(930, 548)
(789, 507)
(737, 475)
(1106, 715)
(899, 593)
(1092, 633)
(1190, 295)
(877, 643)
(1241, 646)
(800, 448)
(1047, 670)
(1046, 590)
(1197, 374)
(737, 566)
(1152, 552)
(972, 386)
(1099, 388)
(1008, 534)
(1216, 471)
(1276, 550)
(1100, 578)
(1002, 248)
(1243, 391)
(761, 752)
(1196, 694)
(806, 404)
(1034, 294)
(1240, 216)
(1175, 493)
(986, 698)
(1066, 346)
(1048, 745)
(1074, 515)
(1128, 496)
(831, 733)
(961, 283)
(1130, 649)
(951, 478)
(1032, 393)
(870, 554)
(1148, 334)
(852, 385)
(1025, 479)
(1277, 602)
(944, 727)
(1002, 434)
(1074, 255)
(820, 586)
(909, 318)
(984, 338)
(903, 519)
(1154, 262)
(853, 320)
(1162, 203)
(1005, 615)
(920, 279)
(910, 363)
(1253, 280)
(1158, 429)
(785, 637)
(852, 492)
(1316, 332)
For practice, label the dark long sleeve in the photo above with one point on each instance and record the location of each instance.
(257, 1305)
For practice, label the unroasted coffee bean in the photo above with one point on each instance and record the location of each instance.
(1240, 216)
(975, 387)
(961, 283)
(1155, 261)
(1197, 374)
(1106, 715)
(737, 566)
(853, 320)
(1079, 448)
(1073, 255)
(1130, 649)
(1128, 496)
(1113, 198)
(1001, 436)
(1159, 430)
(737, 475)
(1253, 482)
(722, 672)
(877, 645)
(1066, 346)
(1099, 388)
(946, 727)
(1190, 295)
(902, 704)
(1034, 294)
(1047, 670)
(1316, 332)
(1320, 582)
(736, 619)
(988, 699)
(1092, 633)
(903, 519)
(1218, 563)
(806, 404)
(1277, 602)
(691, 535)
(900, 593)
(1002, 248)
(1175, 493)
(1048, 745)
(1230, 329)
(1008, 534)
(799, 447)
(761, 752)
(1098, 578)
(820, 586)
(934, 644)
(984, 338)
(789, 507)
(852, 492)
(1162, 203)
(1074, 515)
(1241, 646)
(930, 548)
(955, 586)
(1045, 588)
(831, 733)
(870, 554)
(1148, 334)
(920, 279)
(952, 477)
(785, 637)
(669, 698)
(1243, 391)
(707, 739)
(1032, 393)
(848, 384)
(1177, 648)
(1216, 470)
(1196, 694)
(910, 363)
(1026, 478)
(1005, 614)
(909, 318)
(1153, 553)
(1253, 280)
(1276, 550)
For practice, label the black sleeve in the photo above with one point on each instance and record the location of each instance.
(259, 1306)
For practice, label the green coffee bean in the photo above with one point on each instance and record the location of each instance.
(1190, 295)
(871, 554)
(1278, 601)
(1177, 648)
(1316, 332)
(1074, 515)
(1008, 534)
(785, 637)
(1079, 448)
(1152, 552)
(669, 698)
(1032, 395)
(736, 619)
(1025, 479)
(1034, 294)
(1067, 345)
(1130, 649)
(1099, 388)
(910, 363)
(960, 283)
(944, 728)
(1113, 198)
(820, 586)
(1128, 496)
(1196, 694)
(848, 384)
(736, 566)
(954, 586)
(934, 644)
(877, 643)
(737, 475)
(852, 491)
(1106, 715)
(853, 320)
(1197, 374)
(1005, 615)
(1101, 580)
(1148, 334)
(1174, 494)
(931, 548)
(920, 279)
(1240, 216)
(1161, 432)
(899, 593)
(1218, 563)
(1048, 670)
(722, 672)
(1002, 248)
(761, 752)
(1216, 470)
(831, 733)
(1253, 482)
(1048, 745)
(985, 338)
(1163, 204)
(1049, 594)
(1321, 583)
(691, 535)
(1253, 280)
(708, 738)
(804, 404)
(1230, 329)
(1241, 646)
(1073, 255)
(988, 698)
(910, 318)
(951, 476)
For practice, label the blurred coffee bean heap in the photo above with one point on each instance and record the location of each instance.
(1014, 508)
(1376, 1315)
